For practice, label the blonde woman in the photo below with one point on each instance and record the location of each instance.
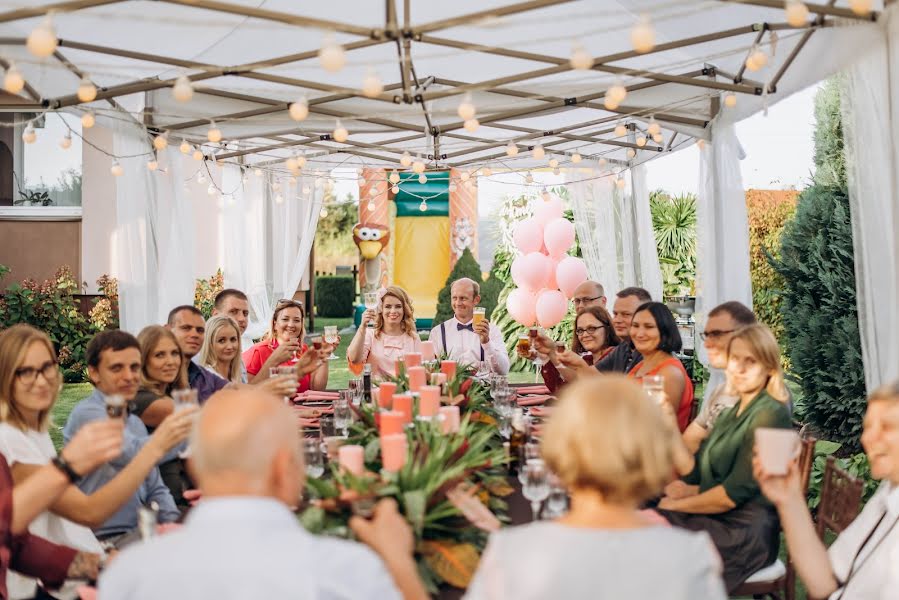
(612, 448)
(30, 381)
(392, 336)
(221, 349)
(720, 494)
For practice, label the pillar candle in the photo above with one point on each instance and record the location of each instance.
(402, 403)
(418, 377)
(385, 394)
(351, 458)
(450, 423)
(429, 403)
(448, 367)
(427, 351)
(393, 452)
(413, 359)
(392, 422)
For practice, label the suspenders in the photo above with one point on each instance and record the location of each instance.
(443, 340)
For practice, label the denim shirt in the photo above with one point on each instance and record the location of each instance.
(93, 408)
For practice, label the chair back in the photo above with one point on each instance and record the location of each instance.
(806, 460)
(841, 497)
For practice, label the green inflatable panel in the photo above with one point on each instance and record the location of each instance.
(435, 190)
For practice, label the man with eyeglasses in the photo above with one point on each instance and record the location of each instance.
(589, 293)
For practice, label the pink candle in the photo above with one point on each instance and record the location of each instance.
(393, 452)
(418, 376)
(441, 378)
(450, 416)
(351, 459)
(427, 351)
(448, 367)
(392, 422)
(402, 403)
(413, 359)
(429, 403)
(385, 391)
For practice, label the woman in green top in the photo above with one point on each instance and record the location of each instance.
(720, 494)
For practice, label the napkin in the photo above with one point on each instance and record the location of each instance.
(532, 400)
(533, 389)
(541, 411)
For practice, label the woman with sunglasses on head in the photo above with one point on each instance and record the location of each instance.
(284, 346)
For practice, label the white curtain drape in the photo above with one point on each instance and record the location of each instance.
(154, 232)
(722, 226)
(614, 229)
(870, 129)
(269, 236)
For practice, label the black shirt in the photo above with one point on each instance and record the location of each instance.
(621, 360)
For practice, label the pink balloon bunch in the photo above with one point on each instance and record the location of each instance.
(543, 273)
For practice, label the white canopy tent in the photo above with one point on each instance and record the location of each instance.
(248, 61)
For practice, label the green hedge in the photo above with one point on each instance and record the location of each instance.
(466, 266)
(334, 296)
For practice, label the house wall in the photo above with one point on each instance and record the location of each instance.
(36, 249)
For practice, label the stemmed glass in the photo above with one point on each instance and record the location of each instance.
(285, 373)
(529, 451)
(331, 338)
(371, 303)
(532, 337)
(315, 463)
(343, 414)
(536, 485)
(557, 502)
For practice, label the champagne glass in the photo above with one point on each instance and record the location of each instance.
(536, 485)
(286, 374)
(371, 303)
(529, 451)
(331, 338)
(312, 452)
(654, 386)
(343, 414)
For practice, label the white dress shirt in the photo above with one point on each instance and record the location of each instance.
(465, 346)
(241, 548)
(875, 575)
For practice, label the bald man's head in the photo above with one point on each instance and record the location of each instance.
(589, 293)
(246, 442)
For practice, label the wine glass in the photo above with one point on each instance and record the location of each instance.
(343, 414)
(654, 386)
(557, 501)
(371, 303)
(285, 373)
(505, 426)
(331, 338)
(529, 451)
(536, 485)
(533, 332)
(312, 452)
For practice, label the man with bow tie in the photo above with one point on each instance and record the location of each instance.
(465, 342)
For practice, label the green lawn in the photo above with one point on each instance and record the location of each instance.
(71, 394)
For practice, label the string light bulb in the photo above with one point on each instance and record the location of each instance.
(730, 99)
(42, 41)
(406, 160)
(486, 171)
(757, 59)
(620, 183)
(301, 160)
(66, 142)
(29, 136)
(197, 154)
(529, 178)
(291, 163)
(257, 172)
(511, 150)
(340, 134)
(87, 91)
(796, 13)
(620, 130)
(423, 207)
(418, 166)
(452, 186)
(657, 138)
(331, 56)
(395, 189)
(580, 60)
(653, 128)
(323, 213)
(183, 90)
(471, 125)
(602, 162)
(161, 142)
(631, 153)
(466, 109)
(13, 82)
(371, 205)
(116, 169)
(88, 120)
(152, 164)
(538, 152)
(394, 177)
(641, 140)
(615, 95)
(465, 176)
(279, 199)
(553, 162)
(643, 36)
(184, 147)
(576, 157)
(422, 178)
(276, 187)
(372, 86)
(211, 189)
(373, 190)
(299, 110)
(860, 7)
(556, 171)
(214, 134)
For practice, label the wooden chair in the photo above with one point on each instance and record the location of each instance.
(841, 498)
(778, 581)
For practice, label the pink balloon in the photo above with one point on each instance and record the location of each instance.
(551, 308)
(528, 236)
(520, 304)
(558, 235)
(535, 270)
(571, 272)
(551, 283)
(548, 209)
(517, 271)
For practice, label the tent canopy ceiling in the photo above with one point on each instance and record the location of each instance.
(249, 60)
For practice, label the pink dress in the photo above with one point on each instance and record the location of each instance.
(382, 352)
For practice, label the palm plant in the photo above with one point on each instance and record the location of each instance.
(674, 226)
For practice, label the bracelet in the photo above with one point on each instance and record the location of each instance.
(60, 463)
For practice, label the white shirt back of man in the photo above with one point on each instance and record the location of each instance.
(245, 547)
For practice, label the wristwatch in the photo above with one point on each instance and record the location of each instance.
(60, 463)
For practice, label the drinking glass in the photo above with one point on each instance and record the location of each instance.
(536, 485)
(355, 386)
(480, 313)
(483, 369)
(185, 398)
(371, 303)
(532, 337)
(502, 401)
(654, 386)
(343, 414)
(331, 338)
(116, 408)
(557, 501)
(286, 374)
(312, 452)
(505, 426)
(528, 452)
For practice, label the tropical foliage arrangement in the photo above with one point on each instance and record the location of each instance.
(674, 226)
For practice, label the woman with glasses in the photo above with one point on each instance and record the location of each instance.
(30, 382)
(284, 345)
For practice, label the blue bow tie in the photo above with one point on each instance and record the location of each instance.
(469, 327)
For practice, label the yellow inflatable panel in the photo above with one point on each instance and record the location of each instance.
(421, 260)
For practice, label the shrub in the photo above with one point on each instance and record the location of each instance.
(105, 312)
(856, 465)
(206, 291)
(334, 296)
(466, 266)
(674, 226)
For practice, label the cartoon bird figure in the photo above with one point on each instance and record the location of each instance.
(371, 238)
